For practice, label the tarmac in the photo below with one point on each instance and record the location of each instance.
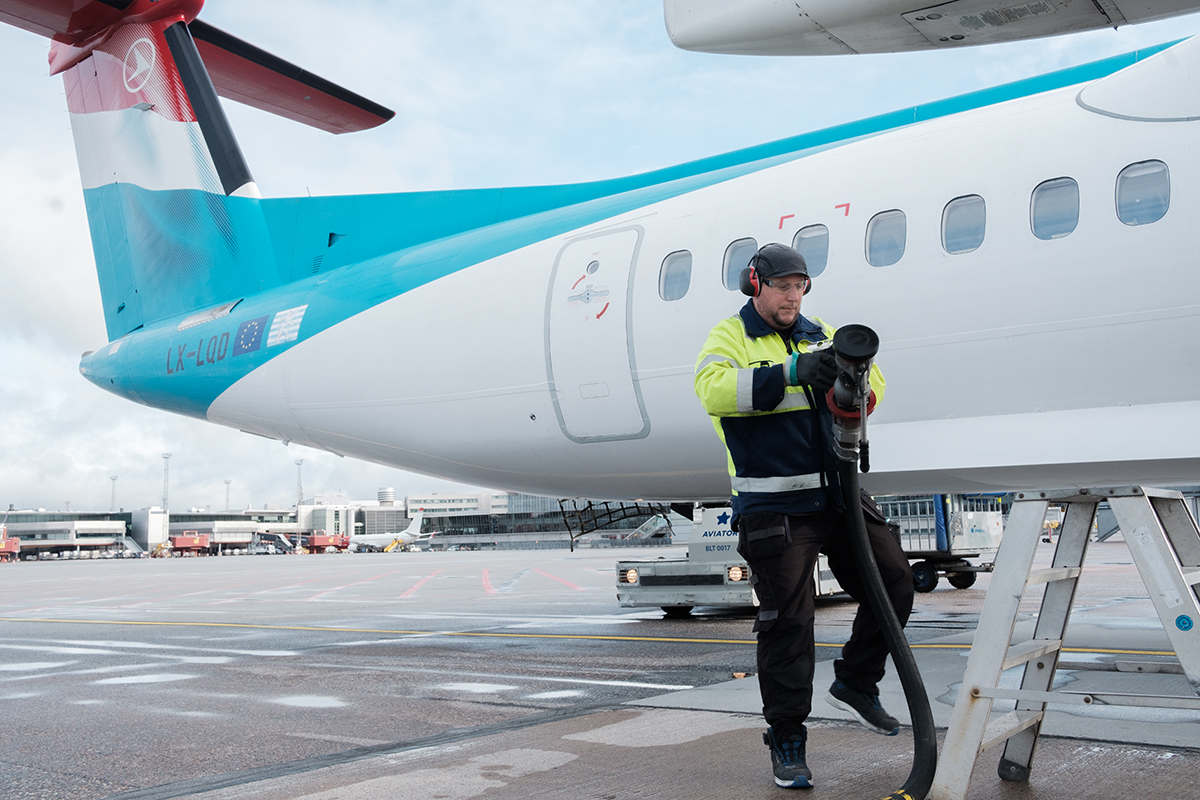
(705, 742)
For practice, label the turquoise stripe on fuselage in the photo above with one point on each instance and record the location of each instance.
(395, 243)
(385, 223)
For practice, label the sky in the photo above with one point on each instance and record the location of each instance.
(486, 94)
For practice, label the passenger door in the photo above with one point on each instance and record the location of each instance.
(589, 339)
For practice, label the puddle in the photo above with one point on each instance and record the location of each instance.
(477, 688)
(33, 666)
(162, 677)
(309, 701)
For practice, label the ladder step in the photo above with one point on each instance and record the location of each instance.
(1051, 575)
(1010, 724)
(1028, 651)
(1191, 575)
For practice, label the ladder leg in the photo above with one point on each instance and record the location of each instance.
(1163, 540)
(1017, 760)
(992, 638)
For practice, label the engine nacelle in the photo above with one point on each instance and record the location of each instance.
(833, 27)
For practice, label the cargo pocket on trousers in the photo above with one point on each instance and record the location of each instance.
(768, 609)
(761, 536)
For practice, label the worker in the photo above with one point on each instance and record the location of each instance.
(763, 376)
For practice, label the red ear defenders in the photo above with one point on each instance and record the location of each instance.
(749, 281)
(752, 285)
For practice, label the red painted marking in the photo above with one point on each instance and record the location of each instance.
(420, 583)
(785, 216)
(576, 283)
(601, 314)
(845, 206)
(355, 583)
(560, 580)
(487, 584)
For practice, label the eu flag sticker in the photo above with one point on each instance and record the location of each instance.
(249, 336)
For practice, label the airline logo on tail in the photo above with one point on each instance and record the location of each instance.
(139, 64)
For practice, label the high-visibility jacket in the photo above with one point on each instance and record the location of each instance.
(779, 437)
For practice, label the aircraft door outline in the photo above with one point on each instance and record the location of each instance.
(590, 362)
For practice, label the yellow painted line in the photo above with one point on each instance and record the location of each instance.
(381, 630)
(492, 634)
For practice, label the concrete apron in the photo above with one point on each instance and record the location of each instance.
(706, 743)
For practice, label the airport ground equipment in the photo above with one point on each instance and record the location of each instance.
(712, 574)
(851, 401)
(189, 543)
(1165, 544)
(10, 547)
(941, 532)
(582, 517)
(321, 542)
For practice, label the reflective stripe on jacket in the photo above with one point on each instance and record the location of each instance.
(780, 448)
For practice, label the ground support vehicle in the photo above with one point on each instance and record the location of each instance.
(320, 542)
(712, 574)
(10, 547)
(190, 543)
(940, 533)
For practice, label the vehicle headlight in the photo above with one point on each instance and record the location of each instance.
(736, 573)
(628, 576)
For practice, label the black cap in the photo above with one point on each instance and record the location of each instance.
(775, 260)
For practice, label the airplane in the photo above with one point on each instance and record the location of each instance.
(1024, 253)
(389, 541)
(840, 27)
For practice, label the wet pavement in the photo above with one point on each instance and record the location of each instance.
(333, 677)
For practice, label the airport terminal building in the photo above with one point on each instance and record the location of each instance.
(486, 519)
(475, 520)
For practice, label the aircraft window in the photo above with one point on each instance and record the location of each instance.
(886, 234)
(675, 276)
(1143, 192)
(963, 223)
(813, 244)
(737, 258)
(1054, 208)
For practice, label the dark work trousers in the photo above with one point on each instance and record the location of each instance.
(782, 552)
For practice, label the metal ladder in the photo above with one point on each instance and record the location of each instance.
(1165, 544)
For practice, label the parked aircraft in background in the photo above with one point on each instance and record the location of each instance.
(1025, 252)
(389, 541)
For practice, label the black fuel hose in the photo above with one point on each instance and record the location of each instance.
(920, 778)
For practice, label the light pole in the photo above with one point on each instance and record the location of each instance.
(113, 506)
(166, 478)
(227, 482)
(299, 486)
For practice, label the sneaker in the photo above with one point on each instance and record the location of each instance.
(787, 760)
(865, 707)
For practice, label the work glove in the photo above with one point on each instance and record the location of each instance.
(818, 370)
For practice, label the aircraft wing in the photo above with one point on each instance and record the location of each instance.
(832, 27)
(239, 70)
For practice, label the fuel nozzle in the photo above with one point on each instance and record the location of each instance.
(851, 398)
